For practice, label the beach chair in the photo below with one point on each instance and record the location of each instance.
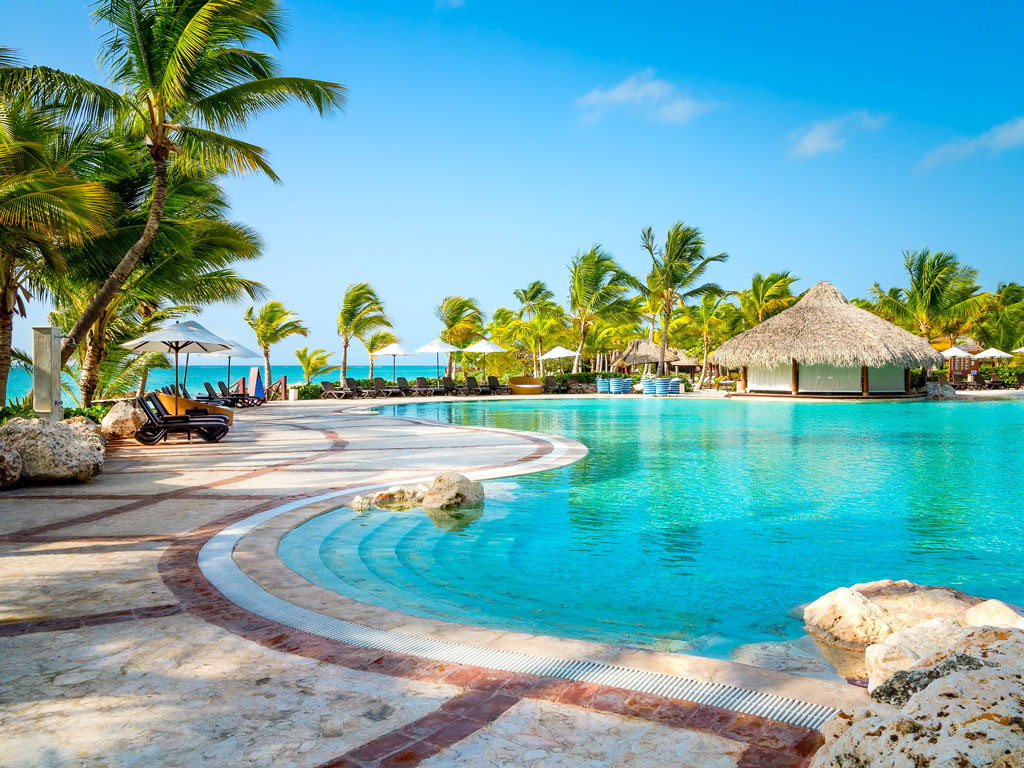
(959, 381)
(496, 387)
(213, 398)
(473, 388)
(328, 390)
(402, 385)
(161, 410)
(425, 389)
(977, 381)
(943, 381)
(356, 390)
(449, 386)
(996, 382)
(158, 426)
(381, 388)
(575, 387)
(243, 400)
(1020, 381)
(553, 387)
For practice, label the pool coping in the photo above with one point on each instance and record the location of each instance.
(242, 562)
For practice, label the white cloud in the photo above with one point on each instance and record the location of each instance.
(830, 135)
(996, 139)
(657, 99)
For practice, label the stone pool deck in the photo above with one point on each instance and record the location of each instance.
(115, 649)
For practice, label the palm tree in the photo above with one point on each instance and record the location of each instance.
(941, 291)
(461, 322)
(377, 340)
(189, 74)
(1002, 325)
(45, 205)
(315, 363)
(272, 323)
(598, 289)
(537, 311)
(676, 269)
(362, 313)
(710, 319)
(767, 295)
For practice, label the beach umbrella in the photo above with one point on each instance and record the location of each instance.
(185, 337)
(556, 352)
(394, 350)
(438, 347)
(992, 354)
(235, 350)
(1019, 351)
(483, 347)
(956, 352)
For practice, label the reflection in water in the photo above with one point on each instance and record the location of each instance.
(454, 520)
(697, 525)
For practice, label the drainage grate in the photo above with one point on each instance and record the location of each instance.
(219, 567)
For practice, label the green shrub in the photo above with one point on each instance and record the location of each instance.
(93, 412)
(309, 391)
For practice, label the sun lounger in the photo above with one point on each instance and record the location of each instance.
(425, 389)
(356, 390)
(977, 381)
(329, 390)
(575, 387)
(157, 427)
(381, 388)
(1020, 381)
(449, 386)
(212, 397)
(241, 400)
(996, 382)
(959, 381)
(496, 387)
(161, 410)
(553, 386)
(473, 388)
(402, 385)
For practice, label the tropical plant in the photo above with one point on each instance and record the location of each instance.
(362, 313)
(676, 269)
(538, 317)
(461, 322)
(598, 290)
(1002, 324)
(272, 323)
(377, 340)
(315, 363)
(710, 318)
(45, 205)
(767, 295)
(189, 74)
(942, 291)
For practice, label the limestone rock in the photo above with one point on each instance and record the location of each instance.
(936, 391)
(801, 657)
(360, 503)
(451, 490)
(10, 465)
(1000, 646)
(867, 613)
(54, 452)
(993, 613)
(122, 420)
(903, 649)
(969, 719)
(897, 690)
(399, 497)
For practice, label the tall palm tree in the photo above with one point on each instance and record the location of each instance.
(377, 340)
(537, 310)
(767, 295)
(598, 290)
(362, 313)
(461, 322)
(315, 363)
(941, 290)
(710, 319)
(1002, 325)
(46, 205)
(676, 269)
(188, 74)
(272, 323)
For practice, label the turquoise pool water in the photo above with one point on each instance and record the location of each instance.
(697, 525)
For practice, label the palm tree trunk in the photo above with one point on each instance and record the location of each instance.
(123, 271)
(266, 370)
(344, 359)
(704, 365)
(6, 334)
(371, 367)
(579, 352)
(451, 364)
(141, 390)
(662, 368)
(89, 376)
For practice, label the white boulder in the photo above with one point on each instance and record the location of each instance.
(993, 613)
(936, 391)
(902, 650)
(54, 452)
(450, 490)
(10, 465)
(122, 420)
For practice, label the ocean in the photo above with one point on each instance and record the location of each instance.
(20, 382)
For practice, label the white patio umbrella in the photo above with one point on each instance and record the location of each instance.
(1019, 351)
(992, 354)
(185, 337)
(484, 347)
(556, 353)
(394, 350)
(438, 347)
(956, 352)
(235, 350)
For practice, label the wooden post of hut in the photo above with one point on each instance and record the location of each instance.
(864, 381)
(796, 377)
(906, 381)
(743, 378)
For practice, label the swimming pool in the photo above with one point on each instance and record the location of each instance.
(696, 525)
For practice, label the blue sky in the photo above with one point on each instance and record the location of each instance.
(486, 142)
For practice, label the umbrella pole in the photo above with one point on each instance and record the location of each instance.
(229, 373)
(184, 379)
(437, 362)
(175, 381)
(394, 373)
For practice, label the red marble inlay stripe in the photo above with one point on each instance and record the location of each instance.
(89, 620)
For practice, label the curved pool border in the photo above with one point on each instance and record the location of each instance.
(218, 562)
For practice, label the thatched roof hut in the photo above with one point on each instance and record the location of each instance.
(838, 347)
(643, 351)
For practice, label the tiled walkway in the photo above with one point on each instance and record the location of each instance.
(115, 651)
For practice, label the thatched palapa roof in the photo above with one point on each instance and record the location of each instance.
(642, 351)
(824, 328)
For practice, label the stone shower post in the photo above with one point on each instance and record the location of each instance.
(46, 369)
